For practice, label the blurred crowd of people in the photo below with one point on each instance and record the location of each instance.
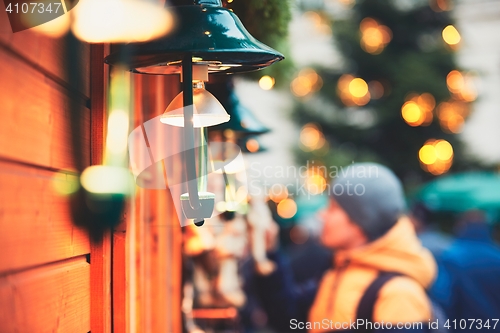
(374, 266)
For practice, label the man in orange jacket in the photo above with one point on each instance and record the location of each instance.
(381, 271)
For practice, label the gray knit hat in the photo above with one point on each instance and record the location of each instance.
(371, 195)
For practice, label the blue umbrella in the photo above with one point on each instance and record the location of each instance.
(461, 192)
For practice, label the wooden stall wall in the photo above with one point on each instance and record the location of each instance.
(151, 235)
(45, 275)
(52, 277)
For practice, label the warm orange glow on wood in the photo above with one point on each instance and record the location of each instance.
(135, 271)
(46, 278)
(153, 234)
(51, 298)
(26, 210)
(229, 313)
(100, 255)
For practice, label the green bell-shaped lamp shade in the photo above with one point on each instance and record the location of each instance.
(243, 122)
(208, 32)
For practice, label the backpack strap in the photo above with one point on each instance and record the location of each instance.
(367, 302)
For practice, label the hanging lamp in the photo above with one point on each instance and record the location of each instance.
(207, 36)
(211, 34)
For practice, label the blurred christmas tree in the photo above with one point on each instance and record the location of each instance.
(398, 97)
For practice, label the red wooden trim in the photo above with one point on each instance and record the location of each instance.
(101, 254)
(119, 281)
(100, 286)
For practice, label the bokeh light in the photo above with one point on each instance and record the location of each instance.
(278, 192)
(441, 5)
(444, 150)
(374, 37)
(347, 3)
(353, 91)
(427, 154)
(287, 208)
(102, 179)
(266, 82)
(120, 21)
(452, 115)
(451, 36)
(376, 89)
(118, 124)
(455, 81)
(320, 21)
(315, 182)
(436, 156)
(307, 82)
(412, 113)
(301, 86)
(252, 145)
(311, 137)
(462, 86)
(313, 16)
(358, 87)
(418, 109)
(65, 183)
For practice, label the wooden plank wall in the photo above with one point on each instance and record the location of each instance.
(45, 277)
(101, 252)
(152, 238)
(133, 281)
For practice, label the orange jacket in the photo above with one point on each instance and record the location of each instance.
(402, 299)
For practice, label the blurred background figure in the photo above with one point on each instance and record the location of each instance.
(307, 245)
(427, 231)
(469, 271)
(381, 270)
